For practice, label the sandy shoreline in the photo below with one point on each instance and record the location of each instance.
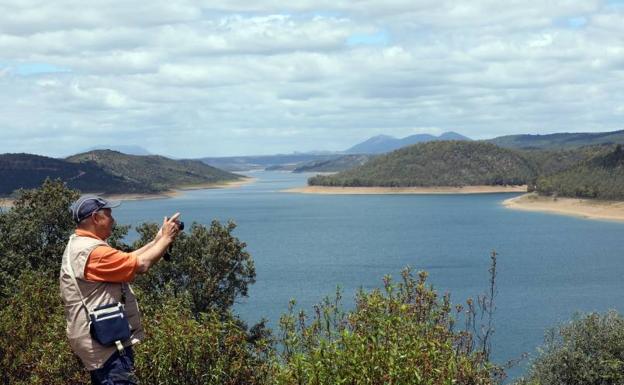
(406, 190)
(8, 202)
(585, 208)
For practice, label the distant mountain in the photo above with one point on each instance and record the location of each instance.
(334, 165)
(562, 140)
(29, 171)
(261, 162)
(452, 136)
(383, 143)
(130, 150)
(600, 177)
(438, 163)
(156, 171)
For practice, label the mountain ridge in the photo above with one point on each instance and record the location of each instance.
(558, 140)
(385, 143)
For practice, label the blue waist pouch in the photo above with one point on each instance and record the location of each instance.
(109, 324)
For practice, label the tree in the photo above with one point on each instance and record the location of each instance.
(208, 263)
(587, 351)
(33, 233)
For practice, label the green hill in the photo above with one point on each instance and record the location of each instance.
(558, 141)
(156, 171)
(29, 171)
(334, 165)
(600, 177)
(548, 162)
(444, 163)
(106, 171)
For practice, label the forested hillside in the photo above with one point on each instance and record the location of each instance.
(29, 171)
(342, 163)
(446, 163)
(548, 162)
(561, 140)
(106, 171)
(157, 171)
(601, 177)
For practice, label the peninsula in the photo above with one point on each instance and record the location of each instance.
(584, 208)
(441, 167)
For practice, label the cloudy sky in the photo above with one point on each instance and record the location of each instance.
(216, 78)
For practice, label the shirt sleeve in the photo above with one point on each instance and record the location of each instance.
(106, 264)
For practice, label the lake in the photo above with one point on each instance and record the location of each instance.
(549, 266)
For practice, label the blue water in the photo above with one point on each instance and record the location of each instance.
(549, 266)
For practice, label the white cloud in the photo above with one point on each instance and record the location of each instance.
(280, 77)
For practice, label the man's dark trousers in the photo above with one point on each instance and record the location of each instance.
(117, 370)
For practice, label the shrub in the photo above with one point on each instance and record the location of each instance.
(35, 230)
(403, 334)
(210, 349)
(207, 262)
(178, 349)
(587, 351)
(33, 346)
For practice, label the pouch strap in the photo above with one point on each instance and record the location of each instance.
(73, 277)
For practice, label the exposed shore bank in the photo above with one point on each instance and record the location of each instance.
(8, 202)
(584, 208)
(406, 190)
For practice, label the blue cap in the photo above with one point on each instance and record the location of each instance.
(88, 204)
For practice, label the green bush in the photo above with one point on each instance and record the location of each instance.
(34, 231)
(33, 346)
(210, 349)
(587, 351)
(178, 349)
(403, 334)
(207, 262)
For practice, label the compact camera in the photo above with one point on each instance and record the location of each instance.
(167, 256)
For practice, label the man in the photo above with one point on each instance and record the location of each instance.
(94, 274)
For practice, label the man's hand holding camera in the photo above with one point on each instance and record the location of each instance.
(157, 248)
(171, 227)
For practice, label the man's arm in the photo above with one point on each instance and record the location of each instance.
(151, 253)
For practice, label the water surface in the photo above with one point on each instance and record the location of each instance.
(549, 266)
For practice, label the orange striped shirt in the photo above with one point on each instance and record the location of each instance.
(106, 264)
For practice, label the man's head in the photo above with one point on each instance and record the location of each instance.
(93, 213)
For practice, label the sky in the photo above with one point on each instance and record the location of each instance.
(216, 78)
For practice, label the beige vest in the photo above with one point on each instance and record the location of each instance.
(95, 294)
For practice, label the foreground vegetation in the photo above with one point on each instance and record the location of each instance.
(587, 351)
(403, 333)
